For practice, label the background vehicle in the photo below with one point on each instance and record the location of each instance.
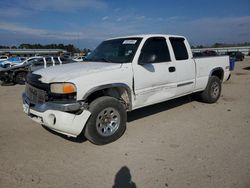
(206, 53)
(17, 74)
(209, 53)
(12, 61)
(79, 58)
(3, 58)
(198, 54)
(121, 74)
(238, 56)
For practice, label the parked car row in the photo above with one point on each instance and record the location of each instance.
(235, 55)
(205, 53)
(7, 62)
(16, 74)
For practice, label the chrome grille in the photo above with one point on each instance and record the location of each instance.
(35, 95)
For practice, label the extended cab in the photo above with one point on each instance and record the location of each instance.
(121, 74)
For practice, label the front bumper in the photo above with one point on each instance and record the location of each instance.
(57, 117)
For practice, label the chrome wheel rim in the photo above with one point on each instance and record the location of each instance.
(108, 121)
(215, 90)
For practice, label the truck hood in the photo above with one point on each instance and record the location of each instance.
(70, 71)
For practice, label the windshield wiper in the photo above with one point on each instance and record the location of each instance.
(99, 59)
(85, 59)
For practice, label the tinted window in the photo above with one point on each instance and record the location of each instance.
(57, 62)
(38, 62)
(158, 47)
(49, 61)
(179, 47)
(30, 61)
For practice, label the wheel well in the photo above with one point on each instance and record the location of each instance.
(120, 93)
(218, 73)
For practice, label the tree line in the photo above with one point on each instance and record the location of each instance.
(72, 49)
(69, 47)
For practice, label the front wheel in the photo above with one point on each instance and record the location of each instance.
(213, 90)
(107, 122)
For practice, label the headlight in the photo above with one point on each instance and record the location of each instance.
(62, 88)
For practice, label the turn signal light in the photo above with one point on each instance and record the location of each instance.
(62, 88)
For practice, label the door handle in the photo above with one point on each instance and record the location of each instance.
(171, 69)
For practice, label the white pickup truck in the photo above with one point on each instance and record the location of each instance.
(120, 75)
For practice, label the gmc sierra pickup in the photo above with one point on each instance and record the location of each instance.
(120, 75)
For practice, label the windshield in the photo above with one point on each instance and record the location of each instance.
(115, 51)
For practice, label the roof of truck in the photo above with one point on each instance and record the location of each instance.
(147, 36)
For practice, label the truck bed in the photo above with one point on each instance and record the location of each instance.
(203, 64)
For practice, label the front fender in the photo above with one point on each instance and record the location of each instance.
(108, 86)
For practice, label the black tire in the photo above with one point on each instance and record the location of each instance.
(20, 78)
(213, 90)
(98, 129)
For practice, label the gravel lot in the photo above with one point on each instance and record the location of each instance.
(180, 143)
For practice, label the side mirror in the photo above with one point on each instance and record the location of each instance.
(146, 58)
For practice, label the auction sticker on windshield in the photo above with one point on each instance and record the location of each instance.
(129, 41)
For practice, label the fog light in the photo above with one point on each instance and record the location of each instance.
(52, 119)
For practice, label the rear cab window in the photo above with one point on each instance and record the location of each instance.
(179, 48)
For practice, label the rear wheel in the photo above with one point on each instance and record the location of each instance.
(20, 78)
(107, 122)
(213, 90)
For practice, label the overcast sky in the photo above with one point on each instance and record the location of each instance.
(85, 23)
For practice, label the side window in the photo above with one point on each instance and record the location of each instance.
(57, 62)
(155, 50)
(49, 61)
(179, 47)
(38, 62)
(64, 60)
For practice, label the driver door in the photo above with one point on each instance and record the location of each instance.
(154, 74)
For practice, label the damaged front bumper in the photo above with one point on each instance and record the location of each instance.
(57, 116)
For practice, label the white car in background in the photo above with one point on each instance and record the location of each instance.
(79, 58)
(12, 61)
(4, 58)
